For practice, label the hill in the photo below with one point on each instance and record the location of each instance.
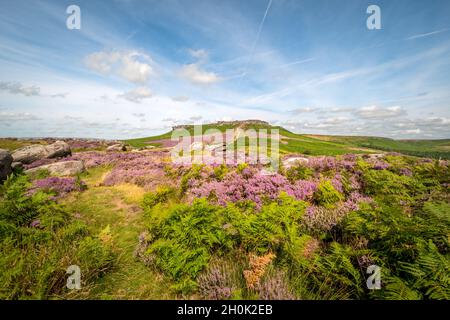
(317, 144)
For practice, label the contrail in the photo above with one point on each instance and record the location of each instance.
(261, 25)
(426, 34)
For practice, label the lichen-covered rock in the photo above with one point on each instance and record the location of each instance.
(29, 154)
(63, 168)
(117, 147)
(292, 161)
(58, 149)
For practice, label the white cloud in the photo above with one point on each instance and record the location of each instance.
(196, 75)
(18, 88)
(180, 98)
(17, 116)
(411, 131)
(304, 110)
(196, 118)
(437, 121)
(341, 110)
(200, 54)
(137, 94)
(132, 66)
(376, 113)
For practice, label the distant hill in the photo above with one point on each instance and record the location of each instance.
(318, 144)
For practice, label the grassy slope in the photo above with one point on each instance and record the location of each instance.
(119, 208)
(428, 148)
(291, 142)
(13, 144)
(329, 145)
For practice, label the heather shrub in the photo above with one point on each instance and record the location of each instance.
(182, 240)
(221, 280)
(275, 286)
(192, 173)
(326, 195)
(311, 236)
(58, 186)
(250, 185)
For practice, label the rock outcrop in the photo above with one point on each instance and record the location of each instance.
(117, 147)
(63, 168)
(5, 164)
(292, 161)
(58, 149)
(16, 165)
(29, 154)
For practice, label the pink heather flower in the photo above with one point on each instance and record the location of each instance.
(350, 157)
(322, 164)
(322, 219)
(146, 169)
(302, 189)
(380, 165)
(252, 185)
(354, 183)
(36, 223)
(337, 183)
(61, 186)
(406, 172)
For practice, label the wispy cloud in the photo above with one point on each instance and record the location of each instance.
(136, 95)
(19, 88)
(304, 110)
(6, 116)
(423, 35)
(376, 112)
(296, 62)
(258, 34)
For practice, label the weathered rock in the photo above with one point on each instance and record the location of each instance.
(63, 168)
(58, 149)
(16, 165)
(30, 154)
(5, 164)
(289, 162)
(35, 152)
(117, 147)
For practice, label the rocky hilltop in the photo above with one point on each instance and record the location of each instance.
(235, 123)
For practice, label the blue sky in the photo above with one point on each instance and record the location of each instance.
(138, 67)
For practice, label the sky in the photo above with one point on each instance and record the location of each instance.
(138, 67)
